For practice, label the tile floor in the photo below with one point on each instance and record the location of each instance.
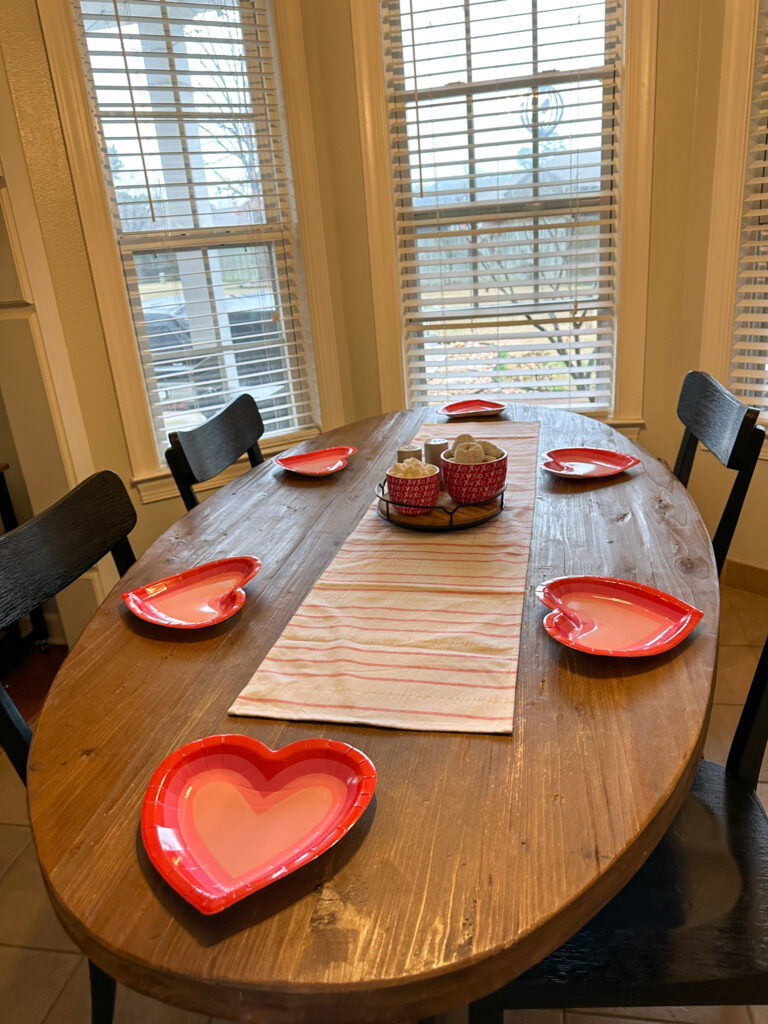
(44, 980)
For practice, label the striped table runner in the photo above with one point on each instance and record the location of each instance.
(412, 630)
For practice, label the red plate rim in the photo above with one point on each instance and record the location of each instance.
(622, 461)
(190, 883)
(472, 406)
(135, 599)
(293, 462)
(690, 616)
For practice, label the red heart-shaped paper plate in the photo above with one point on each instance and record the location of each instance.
(604, 615)
(197, 597)
(473, 407)
(320, 463)
(226, 815)
(586, 463)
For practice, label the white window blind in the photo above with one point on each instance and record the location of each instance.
(504, 139)
(749, 351)
(186, 101)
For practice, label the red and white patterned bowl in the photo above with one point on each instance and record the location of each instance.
(473, 484)
(421, 491)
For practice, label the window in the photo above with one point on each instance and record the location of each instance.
(186, 102)
(504, 141)
(748, 374)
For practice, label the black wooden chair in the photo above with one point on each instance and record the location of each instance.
(202, 453)
(37, 560)
(691, 927)
(729, 429)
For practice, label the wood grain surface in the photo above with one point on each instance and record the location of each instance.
(479, 854)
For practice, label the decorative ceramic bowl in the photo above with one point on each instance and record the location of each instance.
(419, 493)
(476, 483)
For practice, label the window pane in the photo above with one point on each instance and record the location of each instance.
(211, 324)
(186, 100)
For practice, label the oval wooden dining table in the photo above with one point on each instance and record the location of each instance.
(479, 855)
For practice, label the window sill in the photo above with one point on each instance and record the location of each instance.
(160, 486)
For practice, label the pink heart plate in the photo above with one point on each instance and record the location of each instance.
(604, 615)
(319, 463)
(226, 815)
(581, 463)
(473, 407)
(197, 597)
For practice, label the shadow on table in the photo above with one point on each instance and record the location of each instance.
(177, 634)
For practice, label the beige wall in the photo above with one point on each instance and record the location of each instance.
(688, 69)
(331, 73)
(688, 62)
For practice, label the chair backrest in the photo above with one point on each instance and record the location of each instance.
(747, 751)
(729, 429)
(199, 454)
(44, 555)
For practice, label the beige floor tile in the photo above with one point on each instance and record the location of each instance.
(13, 839)
(762, 792)
(722, 725)
(30, 982)
(26, 915)
(533, 1017)
(591, 1017)
(681, 1014)
(130, 1007)
(459, 1016)
(731, 629)
(736, 665)
(758, 1014)
(752, 614)
(13, 795)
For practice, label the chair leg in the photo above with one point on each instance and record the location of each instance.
(485, 1012)
(103, 991)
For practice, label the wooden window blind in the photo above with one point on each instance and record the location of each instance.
(185, 97)
(504, 139)
(748, 376)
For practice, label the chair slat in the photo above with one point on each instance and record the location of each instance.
(44, 555)
(202, 453)
(729, 429)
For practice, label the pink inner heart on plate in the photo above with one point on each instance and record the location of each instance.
(244, 830)
(225, 816)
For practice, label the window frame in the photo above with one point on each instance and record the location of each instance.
(641, 21)
(153, 479)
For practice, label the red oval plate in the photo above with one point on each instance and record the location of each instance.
(226, 815)
(473, 407)
(319, 463)
(604, 615)
(197, 597)
(581, 463)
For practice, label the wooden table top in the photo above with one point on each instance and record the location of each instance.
(479, 855)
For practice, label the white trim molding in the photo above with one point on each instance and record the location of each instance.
(736, 71)
(306, 187)
(93, 205)
(641, 32)
(371, 99)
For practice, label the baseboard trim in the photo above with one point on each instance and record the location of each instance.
(753, 578)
